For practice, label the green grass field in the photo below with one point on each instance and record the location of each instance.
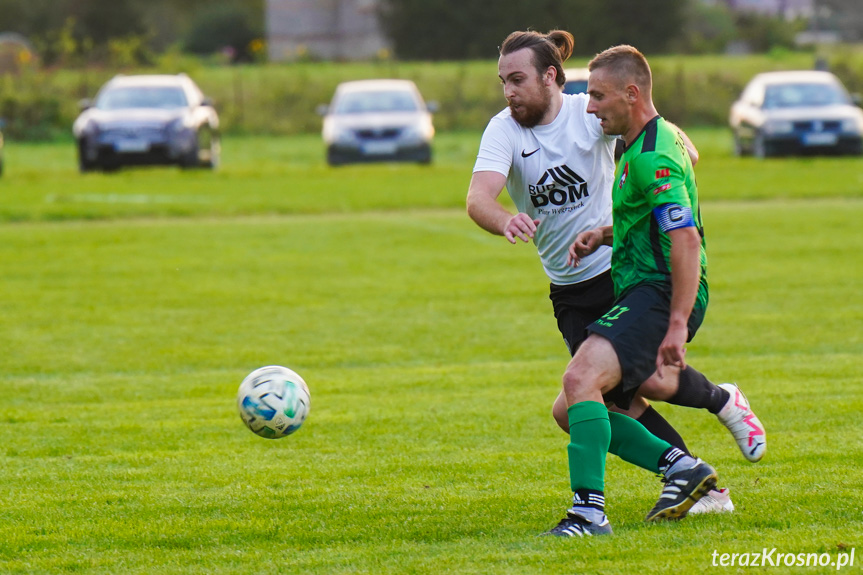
(133, 304)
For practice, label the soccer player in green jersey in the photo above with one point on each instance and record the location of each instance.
(659, 272)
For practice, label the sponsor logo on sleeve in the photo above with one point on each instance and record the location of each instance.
(661, 184)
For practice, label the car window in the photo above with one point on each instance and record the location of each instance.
(377, 101)
(194, 95)
(122, 98)
(797, 95)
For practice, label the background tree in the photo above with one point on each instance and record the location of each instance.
(707, 28)
(762, 33)
(224, 28)
(432, 29)
(75, 31)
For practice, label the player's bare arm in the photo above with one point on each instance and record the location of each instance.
(484, 209)
(588, 242)
(685, 272)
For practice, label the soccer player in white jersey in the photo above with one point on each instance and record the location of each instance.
(558, 166)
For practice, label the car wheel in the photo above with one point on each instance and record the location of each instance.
(209, 149)
(213, 152)
(760, 148)
(334, 159)
(85, 165)
(205, 153)
(191, 159)
(739, 151)
(425, 155)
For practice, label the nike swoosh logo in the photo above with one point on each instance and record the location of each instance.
(528, 154)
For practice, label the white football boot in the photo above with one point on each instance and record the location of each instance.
(743, 424)
(716, 501)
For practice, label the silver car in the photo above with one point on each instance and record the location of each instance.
(805, 112)
(147, 119)
(378, 120)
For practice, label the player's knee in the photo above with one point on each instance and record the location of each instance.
(661, 389)
(576, 382)
(560, 414)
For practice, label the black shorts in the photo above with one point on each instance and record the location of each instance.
(576, 306)
(636, 326)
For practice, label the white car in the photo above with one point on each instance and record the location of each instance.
(377, 120)
(802, 112)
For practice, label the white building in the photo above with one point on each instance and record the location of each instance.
(325, 29)
(789, 9)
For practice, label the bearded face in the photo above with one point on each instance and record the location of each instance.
(528, 96)
(529, 110)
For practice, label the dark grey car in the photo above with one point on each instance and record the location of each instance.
(145, 120)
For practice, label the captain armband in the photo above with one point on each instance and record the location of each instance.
(673, 217)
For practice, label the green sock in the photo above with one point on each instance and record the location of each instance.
(589, 435)
(632, 442)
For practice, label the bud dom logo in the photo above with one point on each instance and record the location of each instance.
(558, 186)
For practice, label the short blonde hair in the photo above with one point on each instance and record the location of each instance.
(627, 63)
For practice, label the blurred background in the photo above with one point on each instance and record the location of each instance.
(267, 64)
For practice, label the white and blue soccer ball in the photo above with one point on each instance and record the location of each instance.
(273, 401)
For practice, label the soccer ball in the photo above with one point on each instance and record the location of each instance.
(273, 401)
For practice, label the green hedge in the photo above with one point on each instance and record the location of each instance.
(282, 98)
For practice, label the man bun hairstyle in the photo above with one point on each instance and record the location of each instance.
(549, 50)
(628, 64)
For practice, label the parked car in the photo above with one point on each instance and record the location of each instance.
(576, 80)
(147, 119)
(795, 113)
(378, 120)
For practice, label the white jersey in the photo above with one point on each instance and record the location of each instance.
(560, 174)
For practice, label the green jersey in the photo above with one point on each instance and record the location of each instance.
(654, 193)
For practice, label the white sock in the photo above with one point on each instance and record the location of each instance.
(592, 514)
(685, 462)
